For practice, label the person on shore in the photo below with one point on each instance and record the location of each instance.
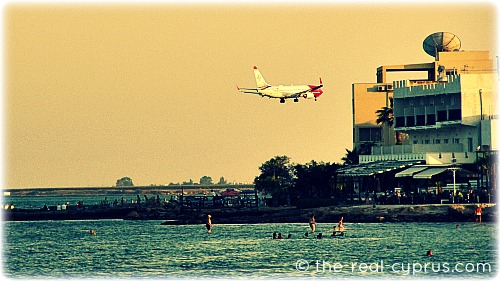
(312, 223)
(209, 224)
(478, 212)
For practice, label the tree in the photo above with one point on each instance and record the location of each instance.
(276, 178)
(385, 116)
(206, 180)
(486, 165)
(190, 182)
(315, 179)
(222, 180)
(351, 157)
(125, 181)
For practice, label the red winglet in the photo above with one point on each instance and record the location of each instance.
(320, 81)
(237, 87)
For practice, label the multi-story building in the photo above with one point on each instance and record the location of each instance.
(447, 119)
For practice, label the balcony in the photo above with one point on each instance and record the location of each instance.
(416, 148)
(396, 157)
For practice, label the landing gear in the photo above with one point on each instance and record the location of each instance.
(282, 100)
(295, 100)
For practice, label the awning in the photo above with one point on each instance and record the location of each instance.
(374, 168)
(427, 174)
(410, 171)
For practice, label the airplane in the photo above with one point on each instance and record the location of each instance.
(282, 92)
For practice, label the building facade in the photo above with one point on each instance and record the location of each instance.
(448, 119)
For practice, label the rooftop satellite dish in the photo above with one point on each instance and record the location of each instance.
(441, 42)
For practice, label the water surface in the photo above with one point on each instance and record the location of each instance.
(121, 248)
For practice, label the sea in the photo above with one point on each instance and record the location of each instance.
(146, 249)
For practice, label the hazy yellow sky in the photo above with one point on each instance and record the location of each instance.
(95, 93)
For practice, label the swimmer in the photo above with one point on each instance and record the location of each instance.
(337, 233)
(92, 232)
(209, 224)
(429, 253)
(457, 226)
(306, 234)
(289, 236)
(312, 223)
(279, 236)
(275, 235)
(320, 235)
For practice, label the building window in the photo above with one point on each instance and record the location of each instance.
(445, 140)
(442, 101)
(455, 114)
(427, 141)
(437, 141)
(431, 102)
(470, 145)
(370, 134)
(456, 140)
(410, 121)
(442, 116)
(452, 101)
(400, 121)
(420, 120)
(431, 119)
(415, 141)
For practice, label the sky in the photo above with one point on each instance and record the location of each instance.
(97, 92)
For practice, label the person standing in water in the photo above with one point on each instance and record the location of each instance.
(478, 212)
(209, 224)
(341, 224)
(312, 223)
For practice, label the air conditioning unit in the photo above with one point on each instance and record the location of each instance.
(389, 87)
(381, 88)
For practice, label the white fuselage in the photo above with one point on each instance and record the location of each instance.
(283, 91)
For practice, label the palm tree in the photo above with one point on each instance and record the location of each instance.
(385, 116)
(351, 157)
(486, 164)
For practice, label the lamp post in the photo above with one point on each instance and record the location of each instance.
(481, 117)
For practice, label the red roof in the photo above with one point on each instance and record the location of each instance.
(230, 192)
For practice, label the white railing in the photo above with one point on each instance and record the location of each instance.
(397, 157)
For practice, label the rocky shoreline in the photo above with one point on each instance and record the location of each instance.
(172, 214)
(352, 214)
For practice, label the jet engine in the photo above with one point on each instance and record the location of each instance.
(308, 96)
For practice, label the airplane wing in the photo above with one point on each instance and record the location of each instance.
(249, 90)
